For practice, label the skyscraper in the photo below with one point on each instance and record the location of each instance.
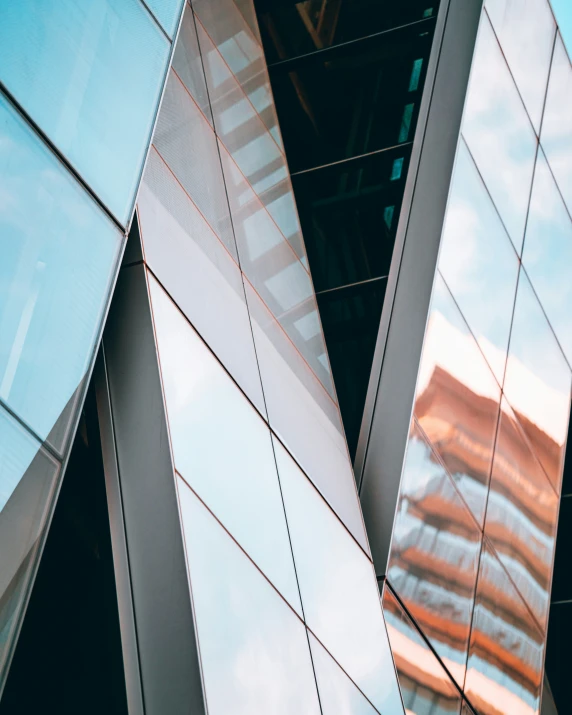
(245, 526)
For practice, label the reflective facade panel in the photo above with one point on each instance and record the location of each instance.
(104, 61)
(59, 254)
(167, 13)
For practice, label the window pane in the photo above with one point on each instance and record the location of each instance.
(425, 686)
(339, 590)
(522, 515)
(499, 134)
(478, 262)
(27, 478)
(547, 253)
(104, 62)
(166, 12)
(434, 555)
(505, 678)
(253, 648)
(457, 400)
(193, 264)
(555, 137)
(58, 255)
(526, 34)
(537, 382)
(338, 694)
(221, 446)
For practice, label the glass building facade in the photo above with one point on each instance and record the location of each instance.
(280, 533)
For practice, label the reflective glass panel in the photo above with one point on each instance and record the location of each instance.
(304, 416)
(221, 446)
(537, 382)
(425, 686)
(58, 255)
(499, 133)
(457, 400)
(555, 137)
(167, 13)
(339, 590)
(478, 262)
(547, 254)
(27, 478)
(194, 265)
(294, 28)
(504, 668)
(254, 651)
(90, 74)
(522, 515)
(434, 555)
(338, 694)
(526, 34)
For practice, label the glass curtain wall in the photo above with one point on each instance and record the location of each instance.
(287, 609)
(348, 77)
(80, 84)
(473, 542)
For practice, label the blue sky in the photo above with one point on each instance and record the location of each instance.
(563, 11)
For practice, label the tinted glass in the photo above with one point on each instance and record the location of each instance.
(478, 262)
(425, 685)
(296, 28)
(434, 555)
(507, 677)
(555, 137)
(522, 515)
(104, 62)
(457, 400)
(200, 274)
(499, 133)
(27, 480)
(339, 590)
(254, 651)
(547, 253)
(305, 417)
(338, 694)
(526, 34)
(221, 446)
(381, 81)
(58, 255)
(537, 382)
(167, 13)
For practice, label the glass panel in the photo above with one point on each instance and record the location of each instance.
(338, 694)
(188, 146)
(193, 264)
(504, 669)
(297, 28)
(339, 590)
(305, 417)
(537, 382)
(167, 13)
(59, 252)
(380, 101)
(499, 134)
(349, 215)
(425, 686)
(522, 515)
(526, 34)
(253, 147)
(103, 61)
(547, 254)
(221, 446)
(434, 555)
(188, 65)
(254, 650)
(27, 478)
(457, 400)
(555, 137)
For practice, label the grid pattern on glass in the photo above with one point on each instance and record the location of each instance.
(104, 61)
(167, 13)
